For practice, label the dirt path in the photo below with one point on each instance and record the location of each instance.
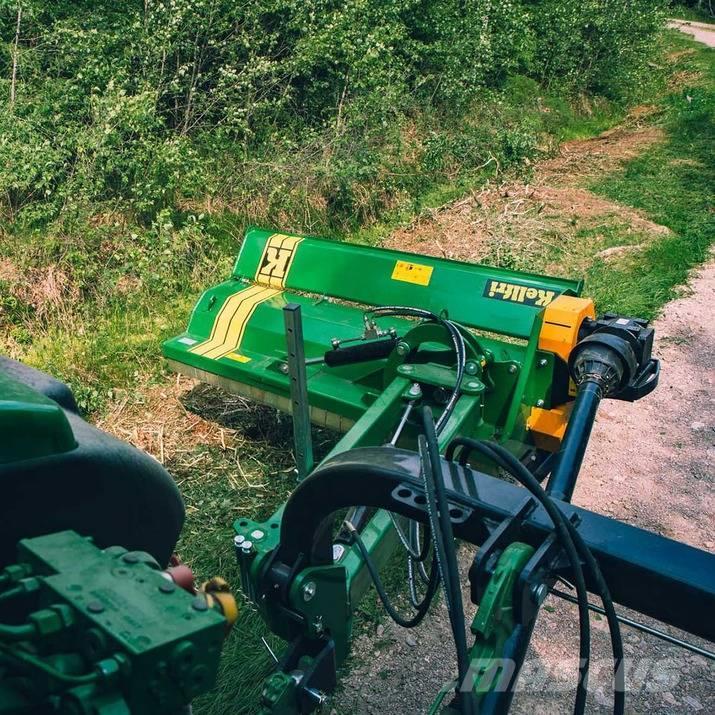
(701, 31)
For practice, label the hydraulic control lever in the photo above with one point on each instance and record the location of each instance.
(612, 359)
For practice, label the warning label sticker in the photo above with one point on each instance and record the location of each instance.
(412, 273)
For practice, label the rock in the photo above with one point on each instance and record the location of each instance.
(410, 640)
(669, 698)
(692, 703)
(697, 425)
(380, 630)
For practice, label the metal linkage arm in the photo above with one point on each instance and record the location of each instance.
(651, 574)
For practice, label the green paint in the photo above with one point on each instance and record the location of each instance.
(112, 631)
(32, 425)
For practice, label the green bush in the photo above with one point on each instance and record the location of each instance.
(125, 106)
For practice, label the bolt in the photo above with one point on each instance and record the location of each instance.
(130, 558)
(247, 547)
(407, 368)
(95, 607)
(167, 587)
(472, 384)
(284, 368)
(543, 362)
(402, 348)
(309, 590)
(238, 540)
(335, 343)
(512, 369)
(471, 367)
(199, 604)
(539, 593)
(540, 403)
(257, 534)
(415, 390)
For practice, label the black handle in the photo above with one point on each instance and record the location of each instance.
(362, 352)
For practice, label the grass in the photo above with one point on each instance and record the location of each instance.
(109, 346)
(674, 185)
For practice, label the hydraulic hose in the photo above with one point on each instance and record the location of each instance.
(509, 463)
(444, 547)
(422, 607)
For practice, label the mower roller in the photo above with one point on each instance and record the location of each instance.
(444, 377)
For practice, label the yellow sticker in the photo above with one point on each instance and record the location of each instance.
(238, 357)
(412, 273)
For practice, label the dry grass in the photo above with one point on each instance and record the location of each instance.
(523, 222)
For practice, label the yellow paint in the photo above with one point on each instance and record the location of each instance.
(559, 334)
(238, 357)
(562, 320)
(277, 259)
(230, 324)
(412, 273)
(518, 293)
(548, 426)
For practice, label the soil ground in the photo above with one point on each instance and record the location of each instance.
(701, 31)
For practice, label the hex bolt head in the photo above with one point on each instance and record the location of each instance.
(199, 604)
(543, 362)
(238, 540)
(247, 547)
(512, 369)
(257, 534)
(309, 590)
(284, 368)
(95, 607)
(540, 403)
(415, 390)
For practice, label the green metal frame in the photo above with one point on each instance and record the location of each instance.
(501, 314)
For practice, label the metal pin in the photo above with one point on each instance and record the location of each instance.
(269, 649)
(401, 425)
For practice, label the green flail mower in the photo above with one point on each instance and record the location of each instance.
(465, 395)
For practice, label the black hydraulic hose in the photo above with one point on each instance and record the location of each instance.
(422, 607)
(573, 447)
(498, 454)
(604, 593)
(451, 577)
(457, 342)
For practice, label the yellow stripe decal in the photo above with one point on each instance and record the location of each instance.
(223, 319)
(277, 259)
(230, 324)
